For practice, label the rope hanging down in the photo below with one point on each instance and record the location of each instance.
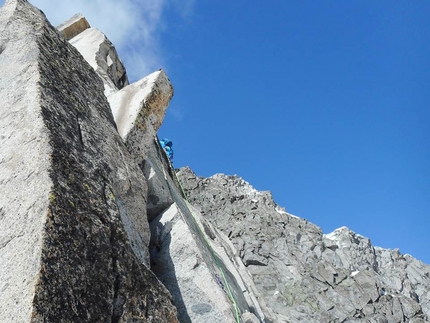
(208, 245)
(217, 262)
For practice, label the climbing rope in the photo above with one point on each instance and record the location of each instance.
(216, 260)
(207, 242)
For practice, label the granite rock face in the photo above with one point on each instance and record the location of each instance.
(74, 26)
(192, 259)
(97, 50)
(74, 235)
(302, 274)
(97, 226)
(139, 110)
(156, 169)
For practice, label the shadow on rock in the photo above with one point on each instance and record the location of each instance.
(163, 267)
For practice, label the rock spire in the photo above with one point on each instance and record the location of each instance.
(74, 235)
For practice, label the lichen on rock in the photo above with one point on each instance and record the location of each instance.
(80, 221)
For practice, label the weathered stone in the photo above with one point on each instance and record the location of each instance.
(196, 262)
(397, 310)
(100, 53)
(303, 274)
(368, 283)
(410, 308)
(74, 230)
(139, 110)
(249, 318)
(159, 194)
(74, 26)
(24, 171)
(179, 264)
(74, 234)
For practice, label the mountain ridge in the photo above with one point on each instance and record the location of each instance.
(97, 225)
(319, 260)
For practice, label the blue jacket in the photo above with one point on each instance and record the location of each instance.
(167, 146)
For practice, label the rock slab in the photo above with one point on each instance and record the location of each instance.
(73, 26)
(98, 51)
(74, 233)
(139, 111)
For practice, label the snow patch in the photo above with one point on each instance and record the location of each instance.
(354, 273)
(281, 210)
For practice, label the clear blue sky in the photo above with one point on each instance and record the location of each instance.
(324, 103)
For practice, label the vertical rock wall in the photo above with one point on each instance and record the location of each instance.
(139, 110)
(75, 199)
(25, 183)
(196, 262)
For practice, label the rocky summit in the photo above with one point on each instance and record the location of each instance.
(97, 226)
(302, 274)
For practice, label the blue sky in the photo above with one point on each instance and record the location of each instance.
(324, 103)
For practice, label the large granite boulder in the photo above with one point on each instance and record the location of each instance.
(74, 235)
(302, 274)
(139, 111)
(73, 26)
(97, 50)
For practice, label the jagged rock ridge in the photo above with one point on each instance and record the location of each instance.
(304, 275)
(179, 249)
(95, 226)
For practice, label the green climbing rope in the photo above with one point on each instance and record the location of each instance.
(212, 251)
(213, 254)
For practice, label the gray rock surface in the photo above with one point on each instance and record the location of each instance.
(179, 264)
(139, 111)
(24, 171)
(73, 26)
(81, 173)
(179, 255)
(302, 274)
(98, 51)
(196, 262)
(74, 234)
(159, 192)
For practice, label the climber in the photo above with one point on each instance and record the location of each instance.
(167, 146)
